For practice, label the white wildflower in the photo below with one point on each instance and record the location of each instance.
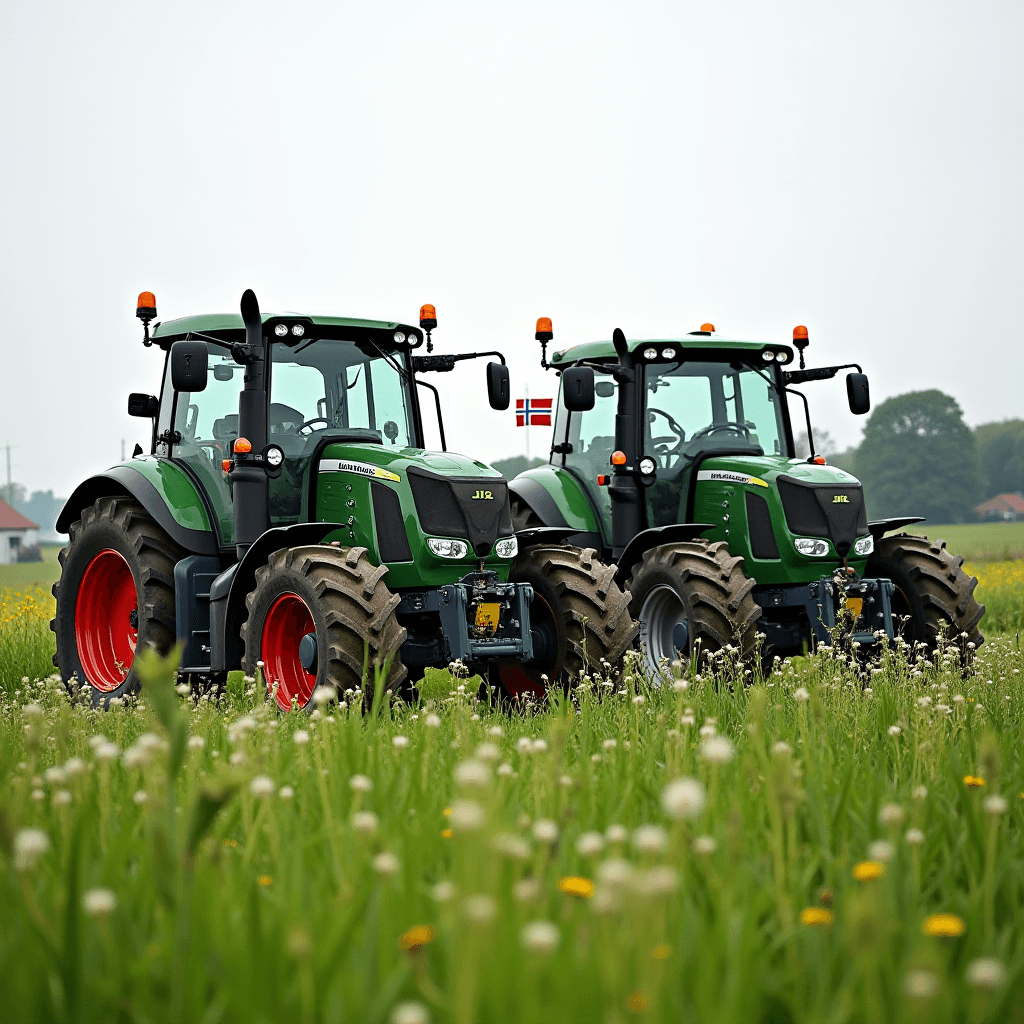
(400, 742)
(360, 784)
(545, 831)
(262, 786)
(504, 770)
(589, 844)
(364, 821)
(913, 837)
(526, 890)
(467, 816)
(650, 839)
(443, 892)
(410, 1013)
(683, 798)
(300, 737)
(921, 985)
(196, 742)
(29, 845)
(286, 792)
(385, 863)
(881, 850)
(717, 749)
(616, 833)
(995, 804)
(141, 797)
(99, 902)
(986, 972)
(890, 814)
(704, 845)
(480, 908)
(539, 936)
(472, 774)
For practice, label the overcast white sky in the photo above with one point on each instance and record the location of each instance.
(853, 167)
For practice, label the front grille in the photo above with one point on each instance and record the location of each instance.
(473, 508)
(759, 523)
(392, 542)
(824, 510)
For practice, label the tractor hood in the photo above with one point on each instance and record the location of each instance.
(384, 462)
(767, 468)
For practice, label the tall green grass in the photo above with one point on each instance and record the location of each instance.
(454, 862)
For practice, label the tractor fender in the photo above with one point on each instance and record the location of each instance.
(537, 497)
(880, 527)
(674, 533)
(123, 480)
(230, 589)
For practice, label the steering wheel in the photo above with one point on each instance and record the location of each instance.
(666, 447)
(713, 428)
(315, 419)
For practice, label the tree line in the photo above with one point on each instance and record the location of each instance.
(918, 457)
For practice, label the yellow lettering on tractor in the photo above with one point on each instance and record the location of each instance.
(840, 499)
(483, 496)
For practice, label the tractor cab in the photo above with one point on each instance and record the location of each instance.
(339, 381)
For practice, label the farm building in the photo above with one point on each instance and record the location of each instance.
(1002, 507)
(16, 533)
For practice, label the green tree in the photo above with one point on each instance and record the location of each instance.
(1001, 449)
(920, 458)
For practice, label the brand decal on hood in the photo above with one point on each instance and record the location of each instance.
(362, 468)
(722, 475)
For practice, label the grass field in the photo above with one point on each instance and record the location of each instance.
(802, 850)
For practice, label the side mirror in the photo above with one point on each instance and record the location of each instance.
(578, 388)
(858, 394)
(189, 365)
(498, 391)
(142, 405)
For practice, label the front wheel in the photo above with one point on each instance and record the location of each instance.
(692, 598)
(322, 616)
(579, 618)
(932, 590)
(115, 596)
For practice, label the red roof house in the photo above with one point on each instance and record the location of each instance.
(1002, 506)
(16, 532)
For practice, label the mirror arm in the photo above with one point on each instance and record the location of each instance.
(817, 373)
(444, 363)
(437, 403)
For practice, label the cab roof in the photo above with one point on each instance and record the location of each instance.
(704, 341)
(229, 327)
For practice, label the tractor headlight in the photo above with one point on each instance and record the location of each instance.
(864, 546)
(445, 548)
(399, 337)
(811, 546)
(768, 355)
(647, 466)
(298, 330)
(650, 353)
(507, 547)
(281, 330)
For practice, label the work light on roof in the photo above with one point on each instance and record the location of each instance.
(782, 356)
(399, 337)
(668, 353)
(768, 355)
(650, 353)
(281, 330)
(298, 330)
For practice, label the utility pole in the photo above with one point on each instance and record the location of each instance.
(10, 485)
(526, 424)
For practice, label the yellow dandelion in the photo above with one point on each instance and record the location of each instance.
(945, 926)
(447, 812)
(446, 833)
(637, 1002)
(661, 952)
(416, 937)
(973, 781)
(868, 870)
(816, 917)
(266, 880)
(573, 885)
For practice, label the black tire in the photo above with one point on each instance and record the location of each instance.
(352, 613)
(932, 589)
(120, 525)
(579, 614)
(690, 591)
(523, 517)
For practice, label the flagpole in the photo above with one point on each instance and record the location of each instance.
(527, 425)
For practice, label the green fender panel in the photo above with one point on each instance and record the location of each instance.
(162, 489)
(557, 497)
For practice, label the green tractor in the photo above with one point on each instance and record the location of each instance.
(287, 516)
(675, 459)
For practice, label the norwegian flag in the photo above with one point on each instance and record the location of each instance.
(533, 412)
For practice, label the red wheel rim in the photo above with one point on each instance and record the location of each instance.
(288, 621)
(518, 684)
(104, 633)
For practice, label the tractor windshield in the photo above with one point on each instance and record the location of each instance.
(698, 408)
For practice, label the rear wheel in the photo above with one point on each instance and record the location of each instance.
(322, 616)
(115, 595)
(579, 617)
(932, 590)
(692, 597)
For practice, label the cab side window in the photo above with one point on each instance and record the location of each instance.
(592, 436)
